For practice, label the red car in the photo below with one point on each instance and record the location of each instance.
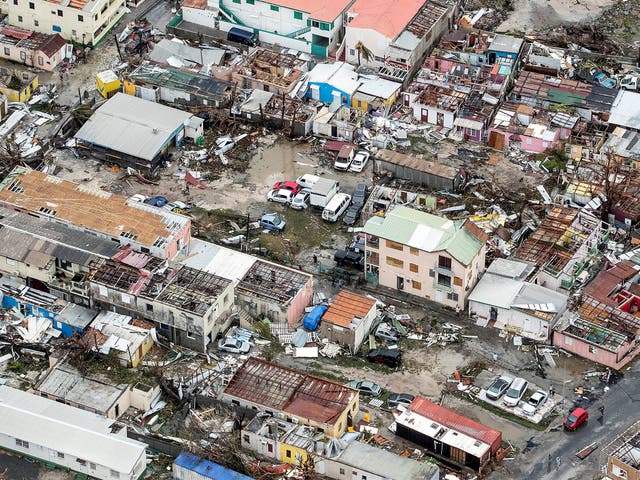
(288, 185)
(575, 419)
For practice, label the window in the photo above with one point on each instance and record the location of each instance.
(414, 251)
(60, 455)
(22, 443)
(236, 1)
(379, 59)
(413, 268)
(324, 26)
(444, 262)
(432, 273)
(342, 471)
(416, 285)
(190, 334)
(36, 23)
(288, 455)
(7, 51)
(59, 13)
(10, 261)
(20, 18)
(452, 296)
(394, 262)
(15, 2)
(457, 281)
(297, 15)
(314, 23)
(32, 6)
(352, 52)
(80, 18)
(74, 33)
(81, 462)
(395, 245)
(92, 466)
(275, 8)
(251, 2)
(444, 280)
(245, 438)
(164, 326)
(270, 448)
(149, 307)
(114, 474)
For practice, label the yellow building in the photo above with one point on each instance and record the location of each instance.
(375, 94)
(17, 86)
(107, 83)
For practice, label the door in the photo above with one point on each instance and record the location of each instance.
(400, 283)
(405, 99)
(496, 140)
(425, 115)
(440, 118)
(439, 296)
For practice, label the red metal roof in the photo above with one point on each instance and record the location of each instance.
(15, 32)
(335, 146)
(457, 422)
(607, 280)
(53, 44)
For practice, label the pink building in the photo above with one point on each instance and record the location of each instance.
(600, 333)
(34, 49)
(425, 255)
(530, 129)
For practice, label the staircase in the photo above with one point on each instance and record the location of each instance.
(230, 15)
(299, 33)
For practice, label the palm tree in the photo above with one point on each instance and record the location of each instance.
(363, 52)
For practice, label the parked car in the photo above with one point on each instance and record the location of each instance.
(396, 399)
(287, 185)
(359, 161)
(390, 358)
(387, 333)
(366, 387)
(515, 392)
(575, 419)
(499, 387)
(271, 221)
(157, 201)
(357, 244)
(535, 401)
(347, 258)
(138, 197)
(233, 345)
(352, 215)
(301, 200)
(176, 205)
(280, 196)
(359, 196)
(344, 158)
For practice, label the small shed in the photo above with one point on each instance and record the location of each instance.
(348, 319)
(418, 170)
(107, 83)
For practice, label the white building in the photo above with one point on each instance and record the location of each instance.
(398, 34)
(69, 437)
(311, 27)
(503, 299)
(82, 21)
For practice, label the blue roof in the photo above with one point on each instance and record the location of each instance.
(209, 469)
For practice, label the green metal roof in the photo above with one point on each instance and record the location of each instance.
(426, 232)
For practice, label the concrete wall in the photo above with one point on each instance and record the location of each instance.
(207, 18)
(525, 325)
(618, 470)
(373, 40)
(352, 337)
(32, 58)
(429, 114)
(15, 268)
(55, 18)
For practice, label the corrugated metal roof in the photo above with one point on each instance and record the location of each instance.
(68, 430)
(131, 125)
(346, 306)
(427, 232)
(416, 163)
(455, 421)
(206, 468)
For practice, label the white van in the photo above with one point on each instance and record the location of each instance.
(336, 207)
(515, 393)
(307, 180)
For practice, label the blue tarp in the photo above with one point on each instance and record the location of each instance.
(312, 319)
(207, 469)
(157, 201)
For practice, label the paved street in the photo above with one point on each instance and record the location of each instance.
(622, 404)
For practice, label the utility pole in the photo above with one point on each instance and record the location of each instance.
(118, 47)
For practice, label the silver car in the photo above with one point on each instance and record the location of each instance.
(300, 201)
(233, 345)
(280, 196)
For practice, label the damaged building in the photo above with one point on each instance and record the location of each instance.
(270, 71)
(134, 132)
(187, 306)
(286, 393)
(108, 216)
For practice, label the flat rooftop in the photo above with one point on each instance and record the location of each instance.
(95, 210)
(67, 383)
